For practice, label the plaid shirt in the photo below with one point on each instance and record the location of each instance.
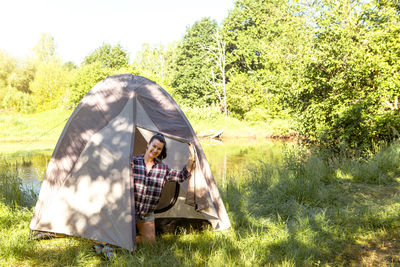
(148, 186)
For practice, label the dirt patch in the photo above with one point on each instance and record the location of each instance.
(383, 251)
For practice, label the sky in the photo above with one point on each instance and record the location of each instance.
(81, 26)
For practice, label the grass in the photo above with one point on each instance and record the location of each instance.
(31, 127)
(203, 119)
(28, 132)
(305, 209)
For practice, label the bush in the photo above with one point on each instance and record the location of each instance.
(18, 101)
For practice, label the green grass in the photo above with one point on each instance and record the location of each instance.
(31, 127)
(203, 119)
(303, 209)
(28, 132)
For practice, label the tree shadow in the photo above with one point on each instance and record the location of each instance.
(322, 217)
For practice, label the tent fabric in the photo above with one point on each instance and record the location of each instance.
(88, 189)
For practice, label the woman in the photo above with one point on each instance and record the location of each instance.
(150, 175)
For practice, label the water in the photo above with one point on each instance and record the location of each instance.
(29, 167)
(227, 160)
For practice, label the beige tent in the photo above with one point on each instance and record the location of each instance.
(88, 191)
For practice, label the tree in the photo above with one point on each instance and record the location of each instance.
(44, 50)
(7, 67)
(86, 77)
(70, 65)
(108, 56)
(191, 71)
(22, 76)
(267, 42)
(49, 85)
(216, 53)
(156, 62)
(351, 83)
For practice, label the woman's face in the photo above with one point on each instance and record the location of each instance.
(154, 148)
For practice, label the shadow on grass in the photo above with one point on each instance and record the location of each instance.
(308, 216)
(61, 252)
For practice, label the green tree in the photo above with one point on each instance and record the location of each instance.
(44, 50)
(7, 67)
(22, 76)
(108, 56)
(50, 85)
(349, 97)
(156, 62)
(216, 54)
(192, 69)
(104, 61)
(267, 41)
(70, 65)
(86, 77)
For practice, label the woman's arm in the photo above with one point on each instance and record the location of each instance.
(192, 158)
(184, 174)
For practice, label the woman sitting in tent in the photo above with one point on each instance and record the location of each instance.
(150, 175)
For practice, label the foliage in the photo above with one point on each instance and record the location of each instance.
(17, 101)
(330, 66)
(245, 93)
(349, 99)
(22, 76)
(267, 43)
(103, 62)
(70, 65)
(108, 56)
(50, 85)
(156, 62)
(45, 50)
(7, 66)
(86, 77)
(192, 71)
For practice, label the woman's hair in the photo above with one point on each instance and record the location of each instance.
(160, 138)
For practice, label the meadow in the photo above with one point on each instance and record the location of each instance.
(303, 208)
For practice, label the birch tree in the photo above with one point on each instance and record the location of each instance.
(216, 53)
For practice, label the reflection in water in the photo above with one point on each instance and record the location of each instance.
(29, 167)
(227, 160)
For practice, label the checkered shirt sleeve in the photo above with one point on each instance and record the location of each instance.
(148, 186)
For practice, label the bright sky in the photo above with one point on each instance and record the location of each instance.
(80, 26)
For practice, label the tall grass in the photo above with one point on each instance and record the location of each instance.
(306, 209)
(12, 190)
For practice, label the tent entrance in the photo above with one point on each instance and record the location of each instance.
(170, 192)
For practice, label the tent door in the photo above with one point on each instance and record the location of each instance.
(170, 192)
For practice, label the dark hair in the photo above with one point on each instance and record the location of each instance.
(160, 138)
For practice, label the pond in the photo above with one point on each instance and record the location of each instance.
(227, 159)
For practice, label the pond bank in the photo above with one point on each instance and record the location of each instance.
(40, 131)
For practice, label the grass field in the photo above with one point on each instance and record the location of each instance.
(308, 209)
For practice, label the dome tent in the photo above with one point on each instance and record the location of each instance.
(88, 189)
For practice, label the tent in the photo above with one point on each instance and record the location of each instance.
(88, 189)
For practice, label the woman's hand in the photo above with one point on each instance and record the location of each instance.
(132, 164)
(192, 158)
